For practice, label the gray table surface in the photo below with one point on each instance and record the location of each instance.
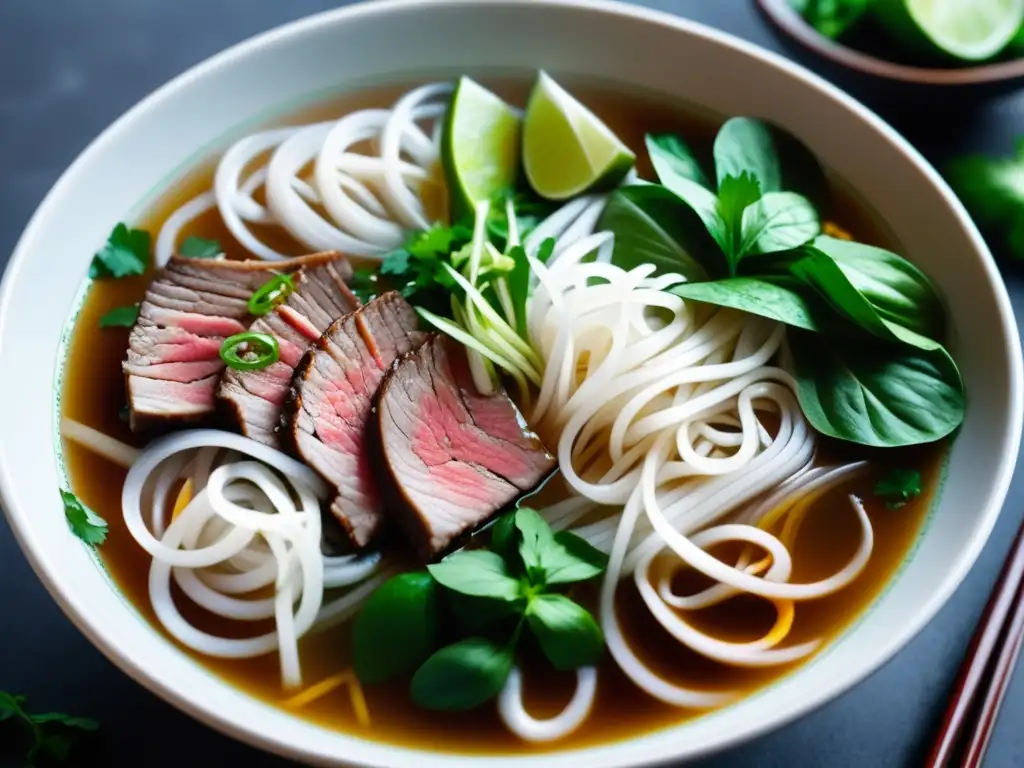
(70, 67)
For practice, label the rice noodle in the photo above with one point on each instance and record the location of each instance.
(525, 726)
(656, 407)
(319, 189)
(252, 523)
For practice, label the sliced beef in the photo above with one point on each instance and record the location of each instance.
(173, 362)
(451, 457)
(331, 400)
(253, 399)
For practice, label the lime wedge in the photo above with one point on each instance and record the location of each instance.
(479, 147)
(970, 30)
(566, 148)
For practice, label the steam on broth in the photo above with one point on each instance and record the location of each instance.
(708, 546)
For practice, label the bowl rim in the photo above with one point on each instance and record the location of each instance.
(106, 640)
(784, 17)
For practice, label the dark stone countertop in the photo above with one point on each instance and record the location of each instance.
(70, 67)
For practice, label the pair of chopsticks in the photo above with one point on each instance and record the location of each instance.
(985, 673)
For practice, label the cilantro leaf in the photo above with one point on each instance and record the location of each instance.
(200, 248)
(992, 188)
(364, 283)
(84, 523)
(120, 317)
(898, 487)
(11, 706)
(125, 253)
(49, 731)
(395, 263)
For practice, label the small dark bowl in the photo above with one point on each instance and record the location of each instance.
(858, 71)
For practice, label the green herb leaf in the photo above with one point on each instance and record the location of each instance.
(120, 317)
(12, 706)
(745, 146)
(126, 253)
(462, 676)
(364, 284)
(550, 558)
(785, 300)
(81, 723)
(396, 263)
(477, 572)
(536, 540)
(652, 225)
(778, 221)
(482, 615)
(56, 745)
(518, 280)
(675, 164)
(898, 487)
(885, 396)
(40, 727)
(84, 523)
(831, 18)
(572, 559)
(200, 248)
(898, 291)
(568, 634)
(505, 537)
(735, 195)
(817, 270)
(397, 628)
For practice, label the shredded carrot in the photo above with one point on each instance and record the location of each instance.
(784, 622)
(184, 497)
(330, 684)
(834, 230)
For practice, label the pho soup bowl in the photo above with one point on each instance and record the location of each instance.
(621, 48)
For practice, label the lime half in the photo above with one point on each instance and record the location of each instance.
(479, 147)
(971, 30)
(566, 148)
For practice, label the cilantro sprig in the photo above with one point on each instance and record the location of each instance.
(52, 734)
(898, 487)
(120, 317)
(495, 596)
(125, 253)
(84, 523)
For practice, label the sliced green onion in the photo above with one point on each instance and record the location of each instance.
(249, 351)
(270, 295)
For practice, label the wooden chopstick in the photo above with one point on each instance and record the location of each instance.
(985, 673)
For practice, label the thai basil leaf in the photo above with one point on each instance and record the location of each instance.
(652, 225)
(567, 633)
(462, 676)
(744, 145)
(537, 539)
(397, 628)
(816, 269)
(786, 301)
(481, 615)
(572, 559)
(735, 195)
(776, 158)
(900, 292)
(505, 537)
(778, 221)
(885, 396)
(678, 169)
(476, 572)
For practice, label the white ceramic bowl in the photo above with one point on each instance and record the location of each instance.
(141, 153)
